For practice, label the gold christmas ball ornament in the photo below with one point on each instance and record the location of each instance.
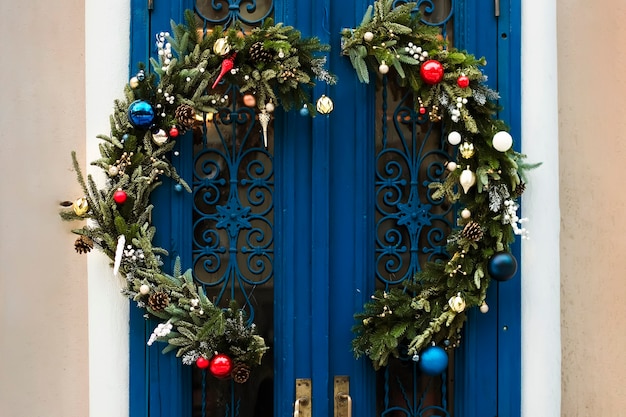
(134, 82)
(221, 47)
(457, 303)
(113, 170)
(160, 137)
(249, 100)
(325, 105)
(80, 206)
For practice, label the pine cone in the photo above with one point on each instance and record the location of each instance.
(259, 54)
(186, 116)
(83, 244)
(158, 301)
(240, 373)
(472, 231)
(519, 190)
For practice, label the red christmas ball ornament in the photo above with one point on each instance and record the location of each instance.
(202, 362)
(120, 196)
(431, 71)
(422, 110)
(221, 365)
(173, 132)
(462, 81)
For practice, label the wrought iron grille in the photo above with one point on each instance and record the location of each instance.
(411, 227)
(233, 217)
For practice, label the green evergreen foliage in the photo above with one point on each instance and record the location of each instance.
(135, 160)
(404, 321)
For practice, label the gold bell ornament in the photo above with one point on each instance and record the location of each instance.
(221, 47)
(80, 206)
(457, 303)
(324, 105)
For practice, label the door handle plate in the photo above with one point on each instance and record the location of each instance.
(343, 401)
(302, 405)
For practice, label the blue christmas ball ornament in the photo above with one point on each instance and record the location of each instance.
(304, 111)
(433, 361)
(140, 114)
(502, 266)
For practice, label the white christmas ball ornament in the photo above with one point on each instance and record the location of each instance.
(270, 107)
(502, 141)
(451, 166)
(466, 214)
(383, 68)
(454, 138)
(144, 289)
(484, 308)
(368, 36)
(134, 82)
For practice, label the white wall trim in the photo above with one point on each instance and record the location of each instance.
(107, 45)
(541, 326)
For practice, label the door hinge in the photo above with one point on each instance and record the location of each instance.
(496, 7)
(150, 4)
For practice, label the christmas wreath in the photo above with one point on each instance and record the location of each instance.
(425, 316)
(270, 66)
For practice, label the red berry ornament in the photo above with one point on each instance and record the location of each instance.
(221, 365)
(120, 196)
(202, 362)
(173, 132)
(431, 72)
(462, 81)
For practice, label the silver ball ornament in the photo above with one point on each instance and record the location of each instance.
(383, 68)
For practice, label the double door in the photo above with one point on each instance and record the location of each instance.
(311, 221)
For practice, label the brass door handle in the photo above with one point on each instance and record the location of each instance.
(343, 401)
(302, 405)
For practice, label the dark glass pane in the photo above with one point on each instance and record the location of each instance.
(411, 227)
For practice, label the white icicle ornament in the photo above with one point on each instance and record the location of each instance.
(467, 179)
(264, 119)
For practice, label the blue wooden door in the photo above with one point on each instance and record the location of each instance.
(317, 226)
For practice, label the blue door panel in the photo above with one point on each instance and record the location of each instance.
(324, 225)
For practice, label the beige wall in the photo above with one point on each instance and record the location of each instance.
(592, 122)
(43, 286)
